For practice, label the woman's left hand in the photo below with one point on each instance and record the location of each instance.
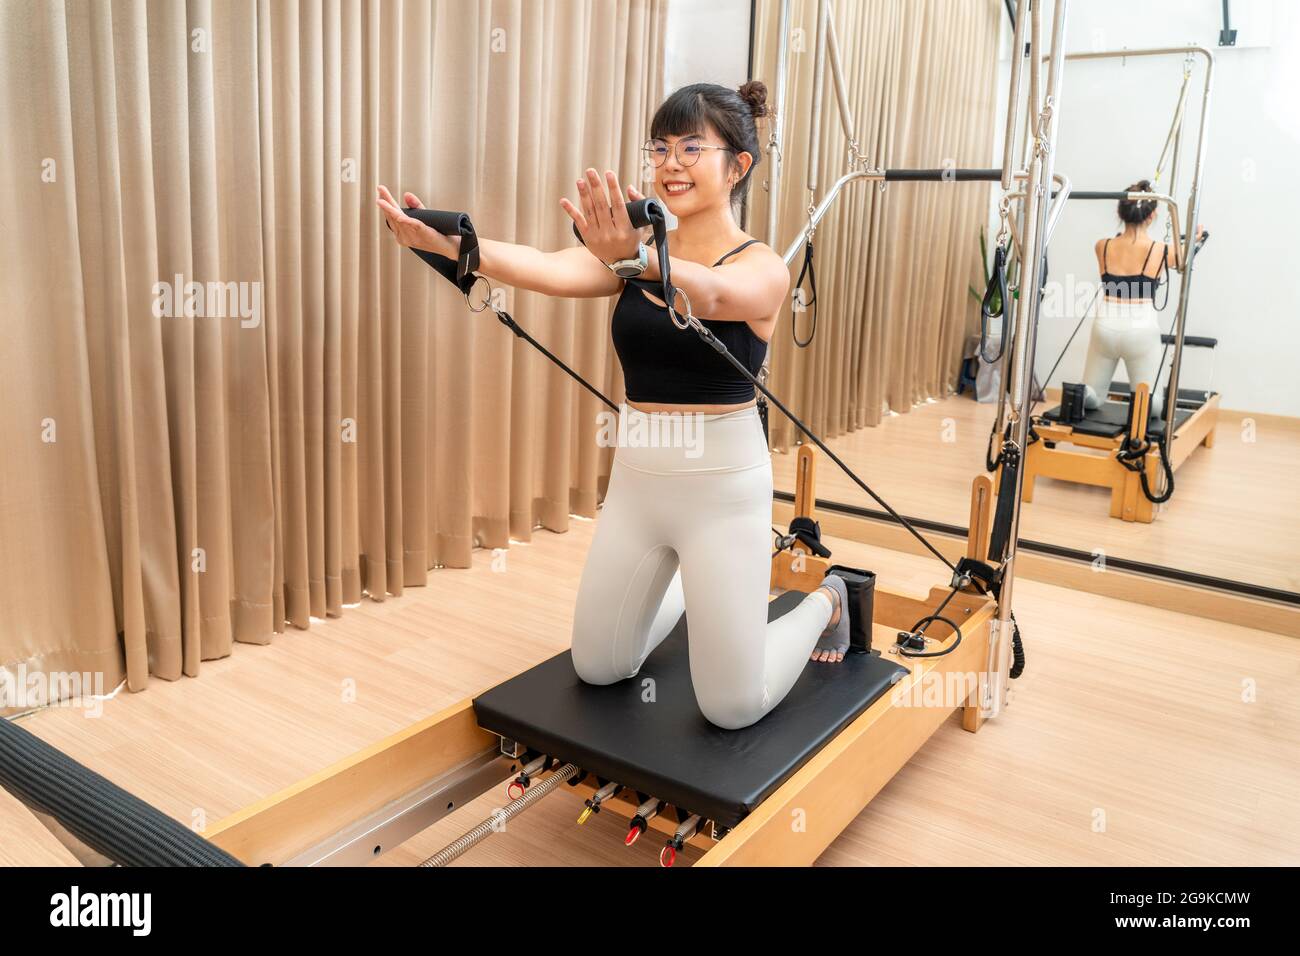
(603, 223)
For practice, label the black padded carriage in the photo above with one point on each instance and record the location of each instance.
(667, 749)
(1192, 398)
(1111, 421)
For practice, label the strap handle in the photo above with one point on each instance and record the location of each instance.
(811, 273)
(994, 305)
(650, 212)
(462, 273)
(809, 531)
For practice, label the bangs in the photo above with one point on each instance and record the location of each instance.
(681, 114)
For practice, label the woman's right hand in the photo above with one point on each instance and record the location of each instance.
(411, 232)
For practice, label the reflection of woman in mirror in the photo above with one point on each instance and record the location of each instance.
(1125, 327)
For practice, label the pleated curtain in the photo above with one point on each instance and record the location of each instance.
(893, 267)
(331, 420)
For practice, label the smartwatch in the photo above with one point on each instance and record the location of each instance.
(631, 268)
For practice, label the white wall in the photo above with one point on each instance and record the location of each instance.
(1114, 118)
(707, 42)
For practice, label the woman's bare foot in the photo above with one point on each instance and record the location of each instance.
(834, 641)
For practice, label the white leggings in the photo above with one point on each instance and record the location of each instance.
(1128, 331)
(688, 527)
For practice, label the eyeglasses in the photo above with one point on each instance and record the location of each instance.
(688, 151)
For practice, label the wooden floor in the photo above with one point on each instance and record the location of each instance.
(1235, 513)
(1127, 741)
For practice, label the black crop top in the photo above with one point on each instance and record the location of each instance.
(665, 364)
(1140, 286)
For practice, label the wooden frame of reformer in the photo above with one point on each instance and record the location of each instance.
(1093, 460)
(377, 798)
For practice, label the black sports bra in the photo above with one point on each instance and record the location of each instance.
(1139, 286)
(665, 364)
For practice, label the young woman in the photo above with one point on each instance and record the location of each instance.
(1125, 325)
(681, 529)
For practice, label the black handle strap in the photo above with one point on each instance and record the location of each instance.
(994, 305)
(462, 273)
(643, 213)
(809, 532)
(811, 275)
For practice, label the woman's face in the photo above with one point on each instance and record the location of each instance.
(697, 171)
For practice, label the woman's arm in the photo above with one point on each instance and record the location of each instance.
(571, 273)
(750, 289)
(1174, 252)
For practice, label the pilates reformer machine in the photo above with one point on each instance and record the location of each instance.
(1122, 446)
(819, 758)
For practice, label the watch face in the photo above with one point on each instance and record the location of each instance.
(631, 268)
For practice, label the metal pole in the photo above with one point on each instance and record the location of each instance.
(837, 74)
(1065, 191)
(1035, 71)
(796, 244)
(1037, 191)
(1013, 96)
(919, 175)
(1164, 199)
(819, 84)
(1008, 348)
(774, 140)
(1189, 242)
(1174, 225)
(1141, 51)
(1008, 361)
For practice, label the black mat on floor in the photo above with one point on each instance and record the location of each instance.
(666, 748)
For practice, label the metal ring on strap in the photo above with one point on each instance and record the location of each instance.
(487, 299)
(672, 308)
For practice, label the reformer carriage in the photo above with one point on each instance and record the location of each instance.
(823, 754)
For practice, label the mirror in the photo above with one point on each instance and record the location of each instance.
(1161, 131)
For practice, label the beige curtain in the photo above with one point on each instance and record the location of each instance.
(176, 479)
(893, 268)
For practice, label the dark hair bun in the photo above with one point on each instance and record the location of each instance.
(1137, 211)
(755, 94)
